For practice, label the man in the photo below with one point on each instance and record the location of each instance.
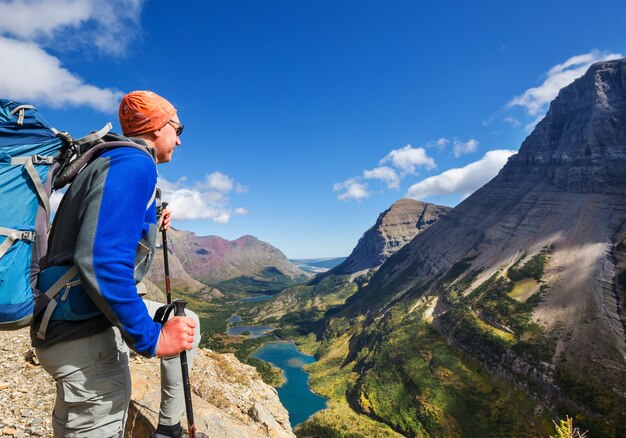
(106, 227)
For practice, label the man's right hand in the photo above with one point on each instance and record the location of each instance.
(176, 336)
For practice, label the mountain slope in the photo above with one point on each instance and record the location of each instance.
(393, 229)
(242, 265)
(526, 276)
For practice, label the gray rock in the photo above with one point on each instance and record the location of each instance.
(394, 228)
(27, 396)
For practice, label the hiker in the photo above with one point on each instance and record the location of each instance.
(106, 227)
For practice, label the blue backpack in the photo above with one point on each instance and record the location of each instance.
(34, 159)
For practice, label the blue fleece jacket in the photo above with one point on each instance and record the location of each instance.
(106, 227)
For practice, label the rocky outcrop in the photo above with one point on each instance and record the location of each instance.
(229, 398)
(394, 228)
(244, 264)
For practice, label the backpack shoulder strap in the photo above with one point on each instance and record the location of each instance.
(69, 172)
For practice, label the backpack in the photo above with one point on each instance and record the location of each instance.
(35, 159)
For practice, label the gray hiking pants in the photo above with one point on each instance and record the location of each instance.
(93, 383)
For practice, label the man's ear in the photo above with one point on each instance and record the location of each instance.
(157, 133)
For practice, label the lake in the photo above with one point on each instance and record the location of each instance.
(254, 330)
(295, 394)
(234, 318)
(255, 298)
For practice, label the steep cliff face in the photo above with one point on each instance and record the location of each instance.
(566, 187)
(394, 228)
(245, 264)
(527, 274)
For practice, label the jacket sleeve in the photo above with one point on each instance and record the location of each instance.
(111, 220)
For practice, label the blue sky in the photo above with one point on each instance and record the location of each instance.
(304, 120)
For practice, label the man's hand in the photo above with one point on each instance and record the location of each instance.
(166, 219)
(176, 336)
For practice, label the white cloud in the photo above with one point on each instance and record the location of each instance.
(241, 188)
(28, 27)
(36, 19)
(535, 100)
(467, 147)
(206, 200)
(384, 173)
(68, 24)
(442, 142)
(464, 180)
(408, 158)
(219, 182)
(30, 74)
(512, 121)
(353, 190)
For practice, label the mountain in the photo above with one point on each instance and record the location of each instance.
(179, 277)
(394, 228)
(526, 279)
(242, 265)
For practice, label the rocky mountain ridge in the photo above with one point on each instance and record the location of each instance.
(394, 228)
(527, 276)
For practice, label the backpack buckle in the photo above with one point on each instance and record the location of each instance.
(64, 135)
(40, 159)
(31, 236)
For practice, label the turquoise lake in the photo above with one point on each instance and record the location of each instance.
(255, 298)
(254, 330)
(295, 394)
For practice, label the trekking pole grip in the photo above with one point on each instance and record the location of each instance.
(160, 211)
(179, 307)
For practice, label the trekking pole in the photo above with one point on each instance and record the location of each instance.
(191, 426)
(179, 306)
(168, 290)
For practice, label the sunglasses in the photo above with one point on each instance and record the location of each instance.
(178, 127)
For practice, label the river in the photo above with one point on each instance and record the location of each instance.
(295, 394)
